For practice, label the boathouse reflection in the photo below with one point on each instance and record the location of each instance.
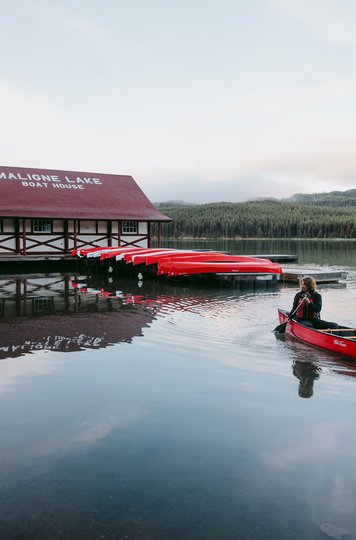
(63, 313)
(48, 313)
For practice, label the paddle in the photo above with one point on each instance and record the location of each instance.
(337, 329)
(281, 328)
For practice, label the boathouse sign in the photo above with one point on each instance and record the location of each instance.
(55, 181)
(48, 211)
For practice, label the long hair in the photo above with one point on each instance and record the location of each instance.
(310, 282)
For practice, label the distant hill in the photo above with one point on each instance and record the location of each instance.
(171, 204)
(332, 198)
(324, 215)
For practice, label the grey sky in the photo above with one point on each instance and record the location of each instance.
(198, 100)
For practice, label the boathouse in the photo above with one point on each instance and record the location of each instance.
(53, 212)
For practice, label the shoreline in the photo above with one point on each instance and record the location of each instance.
(239, 239)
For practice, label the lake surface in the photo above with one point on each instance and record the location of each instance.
(152, 411)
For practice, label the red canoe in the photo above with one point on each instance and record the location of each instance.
(149, 259)
(130, 257)
(203, 256)
(117, 252)
(244, 265)
(83, 252)
(341, 340)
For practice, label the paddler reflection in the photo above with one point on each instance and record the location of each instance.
(306, 373)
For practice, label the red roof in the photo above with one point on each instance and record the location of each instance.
(46, 193)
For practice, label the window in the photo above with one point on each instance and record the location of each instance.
(87, 227)
(42, 225)
(43, 304)
(129, 227)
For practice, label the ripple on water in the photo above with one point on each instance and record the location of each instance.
(236, 327)
(235, 330)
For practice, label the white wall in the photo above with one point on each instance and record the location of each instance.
(86, 236)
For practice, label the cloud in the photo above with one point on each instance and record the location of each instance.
(279, 180)
(34, 129)
(322, 439)
(14, 373)
(88, 30)
(233, 162)
(100, 97)
(81, 26)
(328, 18)
(240, 188)
(83, 33)
(324, 442)
(82, 426)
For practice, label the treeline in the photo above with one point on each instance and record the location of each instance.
(260, 219)
(335, 198)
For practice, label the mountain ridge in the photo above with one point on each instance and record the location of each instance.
(331, 198)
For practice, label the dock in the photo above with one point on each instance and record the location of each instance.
(10, 263)
(12, 258)
(321, 276)
(280, 258)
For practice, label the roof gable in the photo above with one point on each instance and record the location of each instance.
(68, 194)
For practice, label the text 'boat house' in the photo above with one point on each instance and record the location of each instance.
(53, 212)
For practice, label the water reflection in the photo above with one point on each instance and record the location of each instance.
(306, 373)
(198, 422)
(319, 251)
(310, 363)
(65, 313)
(72, 313)
(48, 313)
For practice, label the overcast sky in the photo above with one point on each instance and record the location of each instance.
(198, 100)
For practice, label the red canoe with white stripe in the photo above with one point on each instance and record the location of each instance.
(340, 340)
(257, 266)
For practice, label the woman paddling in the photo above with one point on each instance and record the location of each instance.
(307, 305)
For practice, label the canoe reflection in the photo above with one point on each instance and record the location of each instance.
(309, 363)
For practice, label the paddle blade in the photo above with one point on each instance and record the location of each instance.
(281, 328)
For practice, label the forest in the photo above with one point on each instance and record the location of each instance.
(314, 216)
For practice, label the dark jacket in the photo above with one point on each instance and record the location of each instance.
(310, 311)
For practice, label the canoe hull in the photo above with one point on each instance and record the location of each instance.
(334, 343)
(243, 265)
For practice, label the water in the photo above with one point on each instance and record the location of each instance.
(309, 251)
(169, 412)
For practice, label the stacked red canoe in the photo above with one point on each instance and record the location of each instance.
(175, 262)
